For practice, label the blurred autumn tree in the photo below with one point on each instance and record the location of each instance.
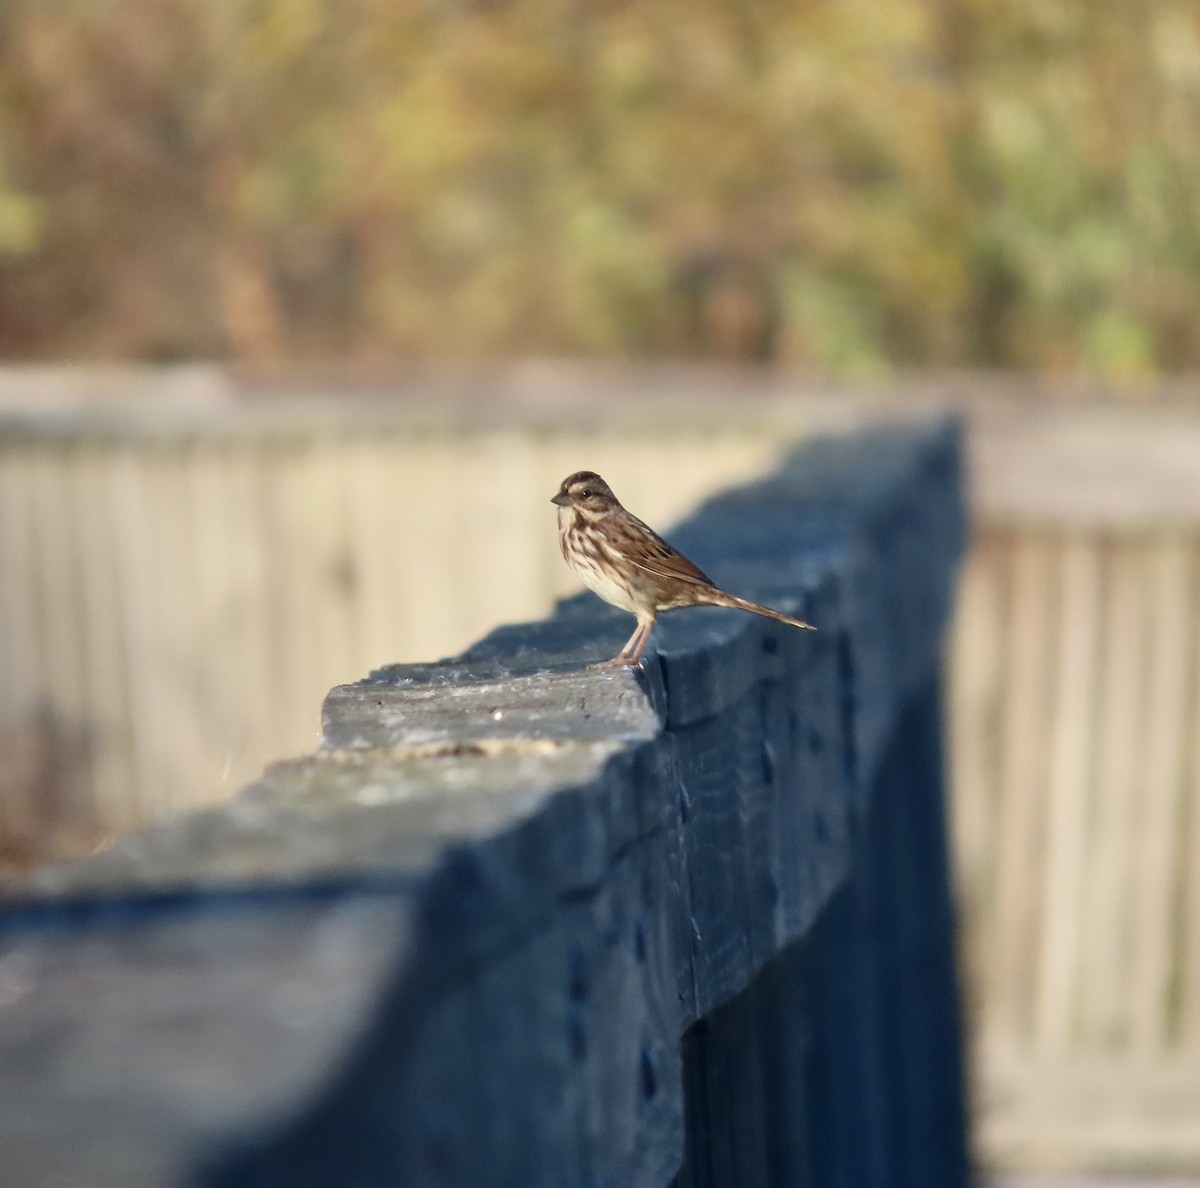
(844, 184)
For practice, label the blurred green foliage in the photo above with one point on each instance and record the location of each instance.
(848, 185)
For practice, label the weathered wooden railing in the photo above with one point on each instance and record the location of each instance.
(521, 923)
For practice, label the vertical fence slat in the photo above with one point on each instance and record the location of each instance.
(289, 597)
(1171, 575)
(334, 575)
(251, 743)
(977, 675)
(169, 608)
(183, 722)
(104, 643)
(63, 719)
(436, 495)
(216, 681)
(19, 636)
(128, 498)
(372, 511)
(1063, 896)
(22, 690)
(1104, 964)
(1021, 816)
(1189, 1006)
(230, 687)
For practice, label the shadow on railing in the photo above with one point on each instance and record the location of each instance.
(522, 923)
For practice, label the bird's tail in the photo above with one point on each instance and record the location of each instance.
(717, 597)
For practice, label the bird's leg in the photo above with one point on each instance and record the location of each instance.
(627, 656)
(637, 631)
(636, 658)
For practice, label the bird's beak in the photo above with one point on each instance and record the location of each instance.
(561, 499)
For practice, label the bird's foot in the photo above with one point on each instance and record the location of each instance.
(618, 662)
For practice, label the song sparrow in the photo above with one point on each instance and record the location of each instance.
(629, 565)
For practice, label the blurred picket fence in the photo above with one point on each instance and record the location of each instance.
(1076, 780)
(182, 578)
(184, 571)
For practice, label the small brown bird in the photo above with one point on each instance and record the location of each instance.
(629, 565)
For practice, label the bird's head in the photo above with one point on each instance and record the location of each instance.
(587, 493)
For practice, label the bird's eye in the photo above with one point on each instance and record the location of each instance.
(586, 494)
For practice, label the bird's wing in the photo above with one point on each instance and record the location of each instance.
(649, 552)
